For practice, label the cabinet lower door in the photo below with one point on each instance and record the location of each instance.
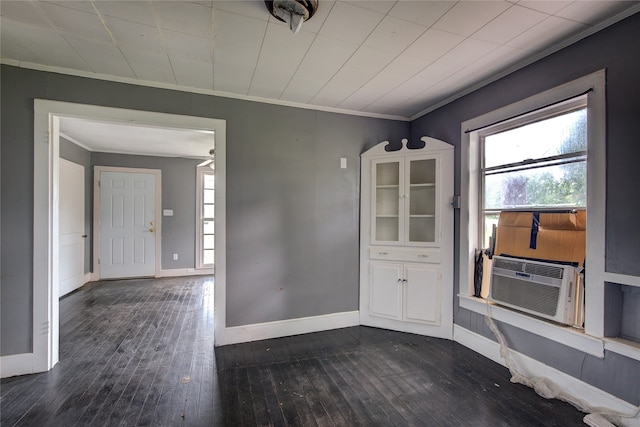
(422, 294)
(385, 290)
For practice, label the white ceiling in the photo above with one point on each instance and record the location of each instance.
(380, 58)
(128, 138)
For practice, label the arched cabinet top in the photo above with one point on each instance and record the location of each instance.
(430, 144)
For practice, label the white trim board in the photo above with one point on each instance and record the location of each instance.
(178, 272)
(565, 384)
(16, 364)
(284, 328)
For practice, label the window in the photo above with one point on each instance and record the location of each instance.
(582, 104)
(206, 218)
(537, 161)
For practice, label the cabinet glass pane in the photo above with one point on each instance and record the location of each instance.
(422, 171)
(422, 200)
(387, 174)
(387, 229)
(422, 229)
(387, 201)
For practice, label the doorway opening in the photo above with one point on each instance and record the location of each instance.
(46, 267)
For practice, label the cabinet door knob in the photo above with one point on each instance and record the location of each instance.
(404, 281)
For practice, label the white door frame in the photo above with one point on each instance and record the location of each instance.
(44, 353)
(97, 170)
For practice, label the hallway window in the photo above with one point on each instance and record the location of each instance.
(206, 220)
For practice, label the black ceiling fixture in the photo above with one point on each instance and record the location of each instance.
(293, 12)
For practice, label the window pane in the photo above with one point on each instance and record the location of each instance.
(551, 186)
(489, 221)
(208, 241)
(558, 135)
(208, 227)
(209, 181)
(209, 196)
(208, 211)
(207, 257)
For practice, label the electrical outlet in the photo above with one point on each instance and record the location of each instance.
(175, 257)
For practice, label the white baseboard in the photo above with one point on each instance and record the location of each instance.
(16, 364)
(567, 385)
(283, 328)
(177, 272)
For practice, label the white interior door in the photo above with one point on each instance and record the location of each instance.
(127, 224)
(71, 226)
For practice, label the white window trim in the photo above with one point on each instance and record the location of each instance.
(590, 340)
(201, 172)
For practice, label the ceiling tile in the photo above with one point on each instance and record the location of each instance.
(192, 73)
(301, 89)
(149, 65)
(135, 11)
(231, 86)
(364, 96)
(380, 6)
(324, 101)
(591, 12)
(394, 35)
(314, 24)
(545, 6)
(467, 17)
(368, 61)
(350, 23)
(102, 58)
(83, 6)
(397, 72)
(433, 44)
(283, 51)
(425, 13)
(238, 40)
(467, 52)
(24, 12)
(353, 105)
(509, 24)
(252, 9)
(187, 46)
(14, 46)
(46, 47)
(325, 57)
(185, 17)
(428, 77)
(546, 33)
(226, 75)
(134, 35)
(82, 24)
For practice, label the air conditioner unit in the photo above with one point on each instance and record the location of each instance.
(540, 288)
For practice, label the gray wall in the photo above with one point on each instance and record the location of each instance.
(616, 49)
(292, 213)
(178, 193)
(76, 154)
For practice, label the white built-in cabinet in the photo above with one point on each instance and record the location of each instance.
(406, 248)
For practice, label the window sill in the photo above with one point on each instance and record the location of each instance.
(565, 335)
(624, 347)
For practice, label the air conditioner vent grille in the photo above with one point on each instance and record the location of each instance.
(508, 264)
(544, 270)
(529, 295)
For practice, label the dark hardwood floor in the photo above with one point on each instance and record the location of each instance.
(370, 377)
(133, 352)
(140, 352)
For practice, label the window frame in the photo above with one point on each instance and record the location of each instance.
(201, 172)
(565, 107)
(589, 340)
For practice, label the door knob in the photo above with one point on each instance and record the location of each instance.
(152, 230)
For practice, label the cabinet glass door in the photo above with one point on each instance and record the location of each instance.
(422, 201)
(386, 219)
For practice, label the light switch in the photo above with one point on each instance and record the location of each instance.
(167, 212)
(343, 162)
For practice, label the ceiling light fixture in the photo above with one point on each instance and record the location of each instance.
(293, 12)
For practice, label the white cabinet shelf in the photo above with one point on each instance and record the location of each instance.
(406, 262)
